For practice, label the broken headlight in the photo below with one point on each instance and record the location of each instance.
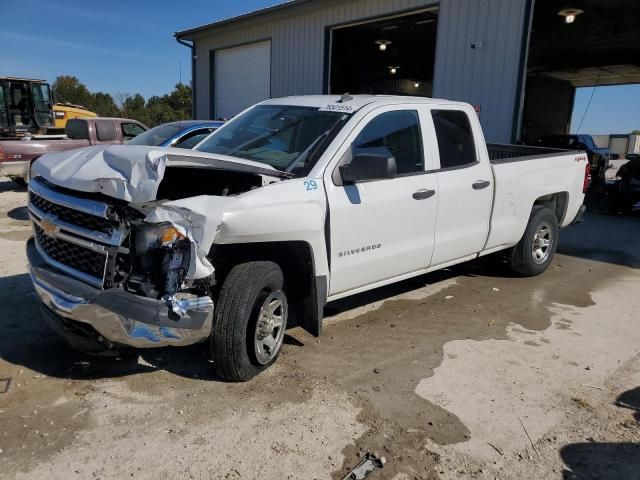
(161, 254)
(153, 236)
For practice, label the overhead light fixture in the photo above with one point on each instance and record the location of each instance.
(570, 13)
(417, 85)
(393, 70)
(382, 44)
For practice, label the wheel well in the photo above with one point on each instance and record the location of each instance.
(557, 202)
(296, 260)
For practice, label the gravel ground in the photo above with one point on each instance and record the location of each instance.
(464, 373)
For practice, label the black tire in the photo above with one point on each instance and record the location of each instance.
(234, 336)
(527, 261)
(20, 181)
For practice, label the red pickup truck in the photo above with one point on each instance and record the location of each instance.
(16, 156)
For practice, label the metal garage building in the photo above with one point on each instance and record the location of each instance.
(517, 61)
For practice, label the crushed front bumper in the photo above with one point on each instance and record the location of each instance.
(100, 320)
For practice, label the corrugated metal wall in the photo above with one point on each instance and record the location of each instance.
(487, 75)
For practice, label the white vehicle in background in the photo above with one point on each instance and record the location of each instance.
(294, 203)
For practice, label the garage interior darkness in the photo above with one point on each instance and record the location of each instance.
(393, 56)
(601, 46)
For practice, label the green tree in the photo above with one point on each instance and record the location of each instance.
(180, 101)
(635, 132)
(134, 107)
(68, 89)
(159, 111)
(104, 105)
(154, 111)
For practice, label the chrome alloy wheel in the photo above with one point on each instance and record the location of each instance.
(270, 327)
(542, 243)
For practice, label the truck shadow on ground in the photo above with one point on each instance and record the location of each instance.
(631, 401)
(606, 461)
(27, 341)
(11, 186)
(19, 213)
(604, 238)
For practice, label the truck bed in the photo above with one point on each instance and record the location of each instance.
(503, 153)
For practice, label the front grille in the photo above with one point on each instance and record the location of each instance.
(72, 255)
(74, 217)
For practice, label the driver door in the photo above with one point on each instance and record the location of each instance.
(381, 229)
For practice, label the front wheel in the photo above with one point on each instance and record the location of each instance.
(250, 321)
(535, 251)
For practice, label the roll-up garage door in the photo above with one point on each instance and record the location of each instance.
(242, 77)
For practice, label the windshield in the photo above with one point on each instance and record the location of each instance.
(156, 136)
(289, 138)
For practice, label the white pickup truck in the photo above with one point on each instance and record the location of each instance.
(294, 203)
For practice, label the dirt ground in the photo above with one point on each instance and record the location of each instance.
(460, 374)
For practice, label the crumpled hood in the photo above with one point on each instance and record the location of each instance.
(133, 173)
(128, 172)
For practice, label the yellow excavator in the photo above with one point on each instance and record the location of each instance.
(63, 112)
(27, 108)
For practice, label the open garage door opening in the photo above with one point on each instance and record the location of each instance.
(393, 56)
(576, 44)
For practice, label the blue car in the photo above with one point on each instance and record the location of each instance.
(184, 134)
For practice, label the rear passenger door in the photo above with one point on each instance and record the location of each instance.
(465, 185)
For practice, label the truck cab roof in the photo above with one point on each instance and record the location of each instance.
(355, 102)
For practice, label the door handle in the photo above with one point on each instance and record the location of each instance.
(481, 184)
(424, 194)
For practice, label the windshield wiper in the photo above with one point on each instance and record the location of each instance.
(311, 150)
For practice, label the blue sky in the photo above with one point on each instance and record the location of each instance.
(614, 109)
(116, 46)
(124, 46)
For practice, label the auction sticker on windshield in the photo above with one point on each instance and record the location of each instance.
(338, 107)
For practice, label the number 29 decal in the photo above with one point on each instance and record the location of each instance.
(310, 185)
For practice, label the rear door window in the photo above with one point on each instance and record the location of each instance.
(455, 138)
(77, 129)
(105, 131)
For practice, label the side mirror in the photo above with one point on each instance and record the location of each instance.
(368, 166)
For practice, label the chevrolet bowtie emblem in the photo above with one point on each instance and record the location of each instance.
(48, 227)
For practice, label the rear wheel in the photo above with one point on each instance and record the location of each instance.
(535, 251)
(250, 321)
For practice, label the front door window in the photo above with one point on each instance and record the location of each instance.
(4, 118)
(43, 109)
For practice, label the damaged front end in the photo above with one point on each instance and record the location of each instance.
(120, 249)
(160, 264)
(108, 278)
